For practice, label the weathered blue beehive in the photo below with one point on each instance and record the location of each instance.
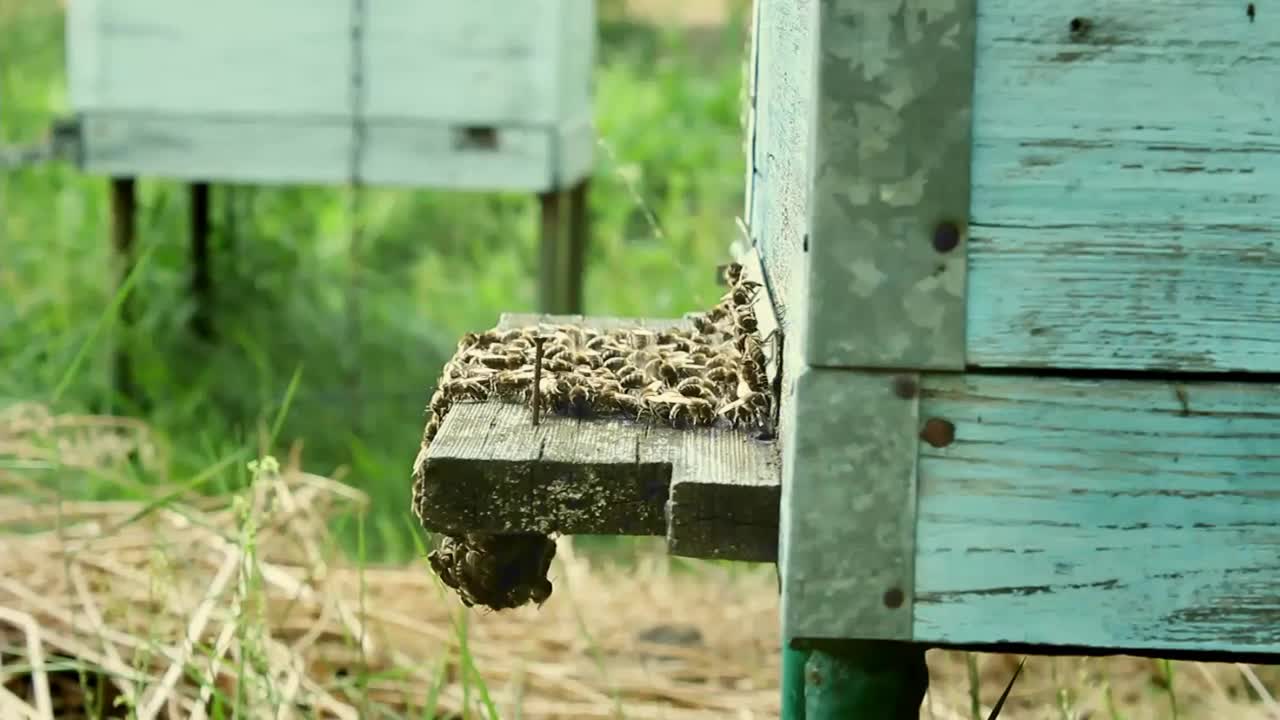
(474, 95)
(1026, 258)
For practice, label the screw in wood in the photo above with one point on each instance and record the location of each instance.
(537, 377)
(946, 236)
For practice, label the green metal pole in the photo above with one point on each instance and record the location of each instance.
(793, 664)
(859, 680)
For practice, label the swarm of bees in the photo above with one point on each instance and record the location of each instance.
(710, 372)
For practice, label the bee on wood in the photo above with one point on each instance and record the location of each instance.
(745, 320)
(753, 376)
(703, 323)
(466, 389)
(696, 387)
(661, 369)
(632, 378)
(615, 364)
(693, 412)
(722, 375)
(620, 402)
(499, 361)
(432, 429)
(512, 383)
(558, 364)
(440, 402)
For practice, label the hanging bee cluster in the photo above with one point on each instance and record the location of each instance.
(711, 372)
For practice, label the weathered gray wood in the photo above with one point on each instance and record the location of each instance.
(724, 497)
(714, 492)
(1100, 513)
(306, 150)
(490, 470)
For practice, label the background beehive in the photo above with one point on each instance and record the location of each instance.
(477, 95)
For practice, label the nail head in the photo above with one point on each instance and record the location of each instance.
(938, 432)
(904, 387)
(946, 236)
(894, 597)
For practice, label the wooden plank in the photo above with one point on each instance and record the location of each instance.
(724, 497)
(780, 157)
(1135, 233)
(311, 151)
(285, 57)
(490, 470)
(1154, 506)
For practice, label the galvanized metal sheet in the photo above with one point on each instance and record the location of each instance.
(891, 153)
(848, 505)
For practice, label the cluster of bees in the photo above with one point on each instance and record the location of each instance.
(710, 372)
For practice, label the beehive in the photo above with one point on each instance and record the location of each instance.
(1025, 257)
(485, 95)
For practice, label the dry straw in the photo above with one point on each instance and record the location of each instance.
(203, 605)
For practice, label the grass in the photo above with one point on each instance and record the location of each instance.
(436, 264)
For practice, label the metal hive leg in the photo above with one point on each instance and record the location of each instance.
(123, 234)
(854, 680)
(201, 275)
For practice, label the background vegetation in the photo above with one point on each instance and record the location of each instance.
(669, 183)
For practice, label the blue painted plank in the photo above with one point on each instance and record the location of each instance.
(1126, 186)
(1109, 514)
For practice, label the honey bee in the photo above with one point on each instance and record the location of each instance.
(432, 429)
(615, 364)
(512, 383)
(500, 361)
(466, 389)
(632, 378)
(558, 364)
(733, 273)
(440, 402)
(704, 324)
(745, 320)
(580, 397)
(661, 369)
(621, 402)
(722, 375)
(695, 387)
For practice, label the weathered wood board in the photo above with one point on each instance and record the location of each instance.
(713, 492)
(1125, 203)
(1126, 186)
(1111, 514)
(311, 151)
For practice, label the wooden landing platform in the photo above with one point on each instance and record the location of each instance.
(714, 493)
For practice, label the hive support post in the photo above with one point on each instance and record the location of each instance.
(201, 275)
(123, 234)
(563, 252)
(865, 679)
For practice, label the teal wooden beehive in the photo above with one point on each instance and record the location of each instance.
(474, 96)
(1025, 256)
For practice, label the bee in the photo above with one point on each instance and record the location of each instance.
(579, 397)
(512, 383)
(440, 402)
(661, 369)
(753, 375)
(695, 387)
(559, 364)
(500, 361)
(466, 389)
(432, 429)
(704, 324)
(721, 375)
(733, 273)
(745, 292)
(632, 378)
(745, 320)
(598, 343)
(615, 364)
(741, 412)
(620, 402)
(692, 412)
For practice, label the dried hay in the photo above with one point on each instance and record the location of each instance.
(244, 597)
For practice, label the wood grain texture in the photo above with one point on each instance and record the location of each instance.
(780, 156)
(714, 493)
(1108, 514)
(244, 57)
(483, 63)
(1126, 186)
(310, 151)
(487, 62)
